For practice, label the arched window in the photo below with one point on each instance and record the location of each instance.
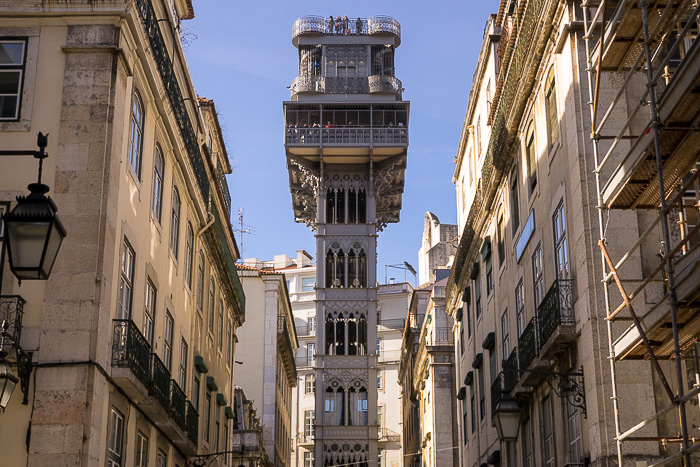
(361, 407)
(189, 255)
(550, 104)
(136, 134)
(335, 269)
(346, 335)
(340, 336)
(362, 268)
(353, 280)
(175, 223)
(157, 191)
(352, 335)
(330, 336)
(531, 157)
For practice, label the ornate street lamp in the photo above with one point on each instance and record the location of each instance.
(8, 381)
(506, 417)
(33, 231)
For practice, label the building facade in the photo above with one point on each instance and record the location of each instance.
(346, 139)
(533, 312)
(132, 335)
(267, 348)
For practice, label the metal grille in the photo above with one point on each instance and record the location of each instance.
(495, 393)
(221, 177)
(11, 312)
(192, 423)
(160, 381)
(527, 343)
(510, 371)
(178, 402)
(131, 349)
(556, 308)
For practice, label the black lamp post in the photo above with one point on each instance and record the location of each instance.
(33, 231)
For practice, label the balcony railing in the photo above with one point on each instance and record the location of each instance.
(305, 361)
(439, 336)
(160, 382)
(496, 388)
(556, 309)
(383, 83)
(283, 328)
(510, 371)
(389, 356)
(131, 349)
(306, 330)
(221, 177)
(192, 423)
(386, 434)
(396, 324)
(178, 403)
(305, 438)
(527, 345)
(345, 136)
(322, 25)
(11, 311)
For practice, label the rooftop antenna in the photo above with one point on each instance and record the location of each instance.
(243, 229)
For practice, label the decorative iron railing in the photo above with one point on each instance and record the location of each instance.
(178, 402)
(229, 261)
(496, 388)
(383, 83)
(527, 345)
(223, 184)
(306, 330)
(131, 349)
(192, 423)
(349, 135)
(348, 85)
(305, 361)
(11, 312)
(556, 309)
(510, 371)
(160, 382)
(321, 25)
(386, 434)
(396, 324)
(172, 87)
(308, 84)
(439, 336)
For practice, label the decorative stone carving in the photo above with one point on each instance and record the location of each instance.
(306, 193)
(345, 378)
(346, 181)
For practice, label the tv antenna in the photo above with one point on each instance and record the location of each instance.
(243, 229)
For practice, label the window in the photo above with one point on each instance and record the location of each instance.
(500, 240)
(472, 407)
(482, 393)
(311, 353)
(229, 342)
(380, 416)
(465, 422)
(461, 337)
(309, 383)
(195, 392)
(308, 459)
(221, 325)
(548, 432)
(520, 307)
(189, 255)
(308, 284)
(212, 303)
(488, 98)
(216, 433)
(157, 190)
(309, 416)
(126, 281)
(12, 58)
(531, 157)
(168, 341)
(550, 104)
(478, 137)
(528, 456)
(538, 281)
(136, 134)
(141, 450)
(489, 275)
(379, 346)
(207, 415)
(149, 312)
(470, 166)
(560, 245)
(183, 364)
(175, 223)
(477, 296)
(380, 382)
(161, 459)
(514, 203)
(573, 433)
(469, 318)
(311, 320)
(116, 439)
(4, 207)
(200, 281)
(505, 334)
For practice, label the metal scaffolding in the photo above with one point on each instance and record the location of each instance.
(646, 147)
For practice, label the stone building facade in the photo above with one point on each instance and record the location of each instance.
(526, 289)
(132, 335)
(267, 345)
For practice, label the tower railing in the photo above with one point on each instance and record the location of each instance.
(322, 25)
(314, 136)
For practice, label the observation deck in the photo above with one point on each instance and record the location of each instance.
(318, 25)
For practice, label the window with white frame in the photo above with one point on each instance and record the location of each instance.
(168, 341)
(175, 223)
(537, 276)
(157, 189)
(12, 61)
(561, 252)
(520, 307)
(189, 255)
(547, 433)
(309, 383)
(229, 342)
(505, 334)
(309, 417)
(308, 459)
(126, 281)
(311, 353)
(200, 281)
(380, 380)
(161, 459)
(141, 450)
(136, 134)
(514, 203)
(183, 364)
(573, 432)
(220, 339)
(528, 454)
(308, 284)
(550, 104)
(115, 442)
(212, 304)
(531, 157)
(149, 312)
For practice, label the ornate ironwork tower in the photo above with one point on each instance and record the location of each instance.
(346, 139)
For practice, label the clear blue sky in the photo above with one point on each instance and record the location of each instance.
(243, 59)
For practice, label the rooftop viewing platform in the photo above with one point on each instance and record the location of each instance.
(346, 26)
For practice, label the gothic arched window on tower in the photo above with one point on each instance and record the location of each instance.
(335, 269)
(346, 335)
(352, 335)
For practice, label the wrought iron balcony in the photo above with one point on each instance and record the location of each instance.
(305, 361)
(527, 345)
(11, 311)
(178, 402)
(322, 25)
(192, 423)
(439, 337)
(496, 389)
(221, 177)
(160, 382)
(130, 349)
(510, 371)
(346, 136)
(388, 435)
(556, 309)
(383, 83)
(306, 330)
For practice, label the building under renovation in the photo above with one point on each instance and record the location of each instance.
(575, 285)
(346, 139)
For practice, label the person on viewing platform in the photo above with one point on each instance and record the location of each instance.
(346, 29)
(358, 26)
(338, 25)
(330, 24)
